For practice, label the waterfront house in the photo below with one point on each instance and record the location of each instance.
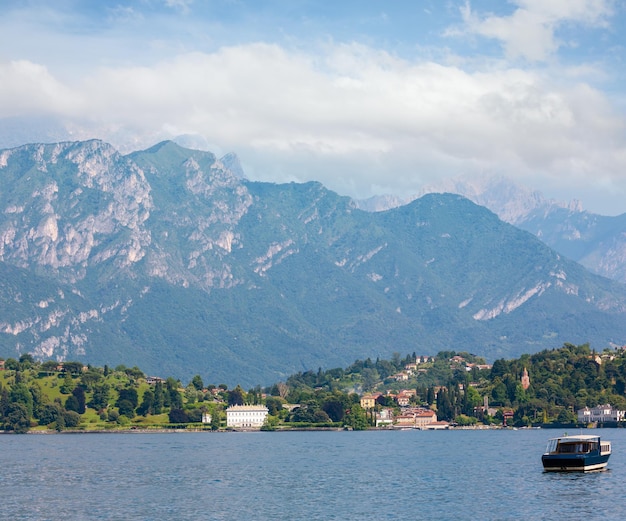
(368, 401)
(405, 421)
(425, 417)
(600, 414)
(384, 418)
(416, 418)
(246, 416)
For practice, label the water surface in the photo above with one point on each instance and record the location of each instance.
(443, 475)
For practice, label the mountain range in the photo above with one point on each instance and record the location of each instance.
(171, 260)
(598, 242)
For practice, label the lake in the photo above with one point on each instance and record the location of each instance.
(434, 475)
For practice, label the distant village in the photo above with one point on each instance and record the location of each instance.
(409, 416)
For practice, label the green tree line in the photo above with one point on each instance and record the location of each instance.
(69, 396)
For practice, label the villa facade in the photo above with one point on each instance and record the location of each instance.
(601, 414)
(246, 416)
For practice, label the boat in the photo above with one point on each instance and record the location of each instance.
(576, 453)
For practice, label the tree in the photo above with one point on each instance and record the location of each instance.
(11, 364)
(73, 367)
(471, 399)
(236, 396)
(27, 361)
(90, 378)
(566, 416)
(20, 393)
(175, 399)
(172, 397)
(320, 416)
(430, 395)
(157, 405)
(270, 423)
(216, 420)
(49, 414)
(191, 394)
(135, 373)
(194, 415)
(60, 422)
(79, 393)
(274, 405)
(71, 419)
(178, 416)
(71, 404)
(355, 418)
(128, 394)
(464, 420)
(100, 397)
(445, 410)
(4, 401)
(498, 393)
(335, 409)
(370, 378)
(126, 408)
(196, 381)
(49, 366)
(68, 383)
(146, 404)
(17, 418)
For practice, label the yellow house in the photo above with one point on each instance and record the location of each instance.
(368, 401)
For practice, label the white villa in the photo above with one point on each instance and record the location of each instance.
(246, 416)
(601, 413)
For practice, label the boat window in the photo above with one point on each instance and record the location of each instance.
(552, 444)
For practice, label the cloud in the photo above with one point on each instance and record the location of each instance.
(28, 88)
(530, 31)
(182, 5)
(358, 119)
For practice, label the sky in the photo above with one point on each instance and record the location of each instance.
(366, 96)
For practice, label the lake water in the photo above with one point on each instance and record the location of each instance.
(440, 475)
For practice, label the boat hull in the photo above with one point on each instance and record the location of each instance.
(574, 463)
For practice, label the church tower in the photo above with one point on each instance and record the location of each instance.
(525, 379)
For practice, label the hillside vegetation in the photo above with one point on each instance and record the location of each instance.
(36, 395)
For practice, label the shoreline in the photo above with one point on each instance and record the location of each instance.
(49, 432)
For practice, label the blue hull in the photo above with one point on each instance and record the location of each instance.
(574, 462)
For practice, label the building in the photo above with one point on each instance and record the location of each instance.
(246, 416)
(424, 418)
(404, 398)
(416, 419)
(206, 417)
(601, 414)
(384, 418)
(525, 379)
(368, 401)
